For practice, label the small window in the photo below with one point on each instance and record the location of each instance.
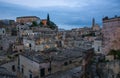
(112, 76)
(3, 31)
(30, 45)
(49, 69)
(42, 72)
(13, 68)
(14, 47)
(22, 69)
(1, 48)
(70, 62)
(98, 49)
(20, 50)
(66, 63)
(30, 75)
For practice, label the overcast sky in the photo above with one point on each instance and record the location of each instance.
(65, 13)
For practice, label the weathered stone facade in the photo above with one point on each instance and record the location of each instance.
(27, 19)
(111, 34)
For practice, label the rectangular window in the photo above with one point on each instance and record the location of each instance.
(49, 69)
(70, 62)
(30, 75)
(1, 48)
(3, 31)
(66, 63)
(42, 72)
(13, 68)
(22, 69)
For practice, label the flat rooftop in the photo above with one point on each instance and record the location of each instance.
(68, 54)
(72, 73)
(27, 17)
(57, 56)
(34, 56)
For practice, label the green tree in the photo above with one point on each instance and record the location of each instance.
(118, 54)
(34, 23)
(52, 25)
(113, 52)
(48, 19)
(41, 24)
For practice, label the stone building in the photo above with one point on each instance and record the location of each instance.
(32, 65)
(7, 22)
(97, 45)
(109, 69)
(4, 73)
(111, 34)
(10, 65)
(6, 42)
(2, 31)
(44, 22)
(27, 19)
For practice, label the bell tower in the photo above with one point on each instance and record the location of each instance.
(93, 22)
